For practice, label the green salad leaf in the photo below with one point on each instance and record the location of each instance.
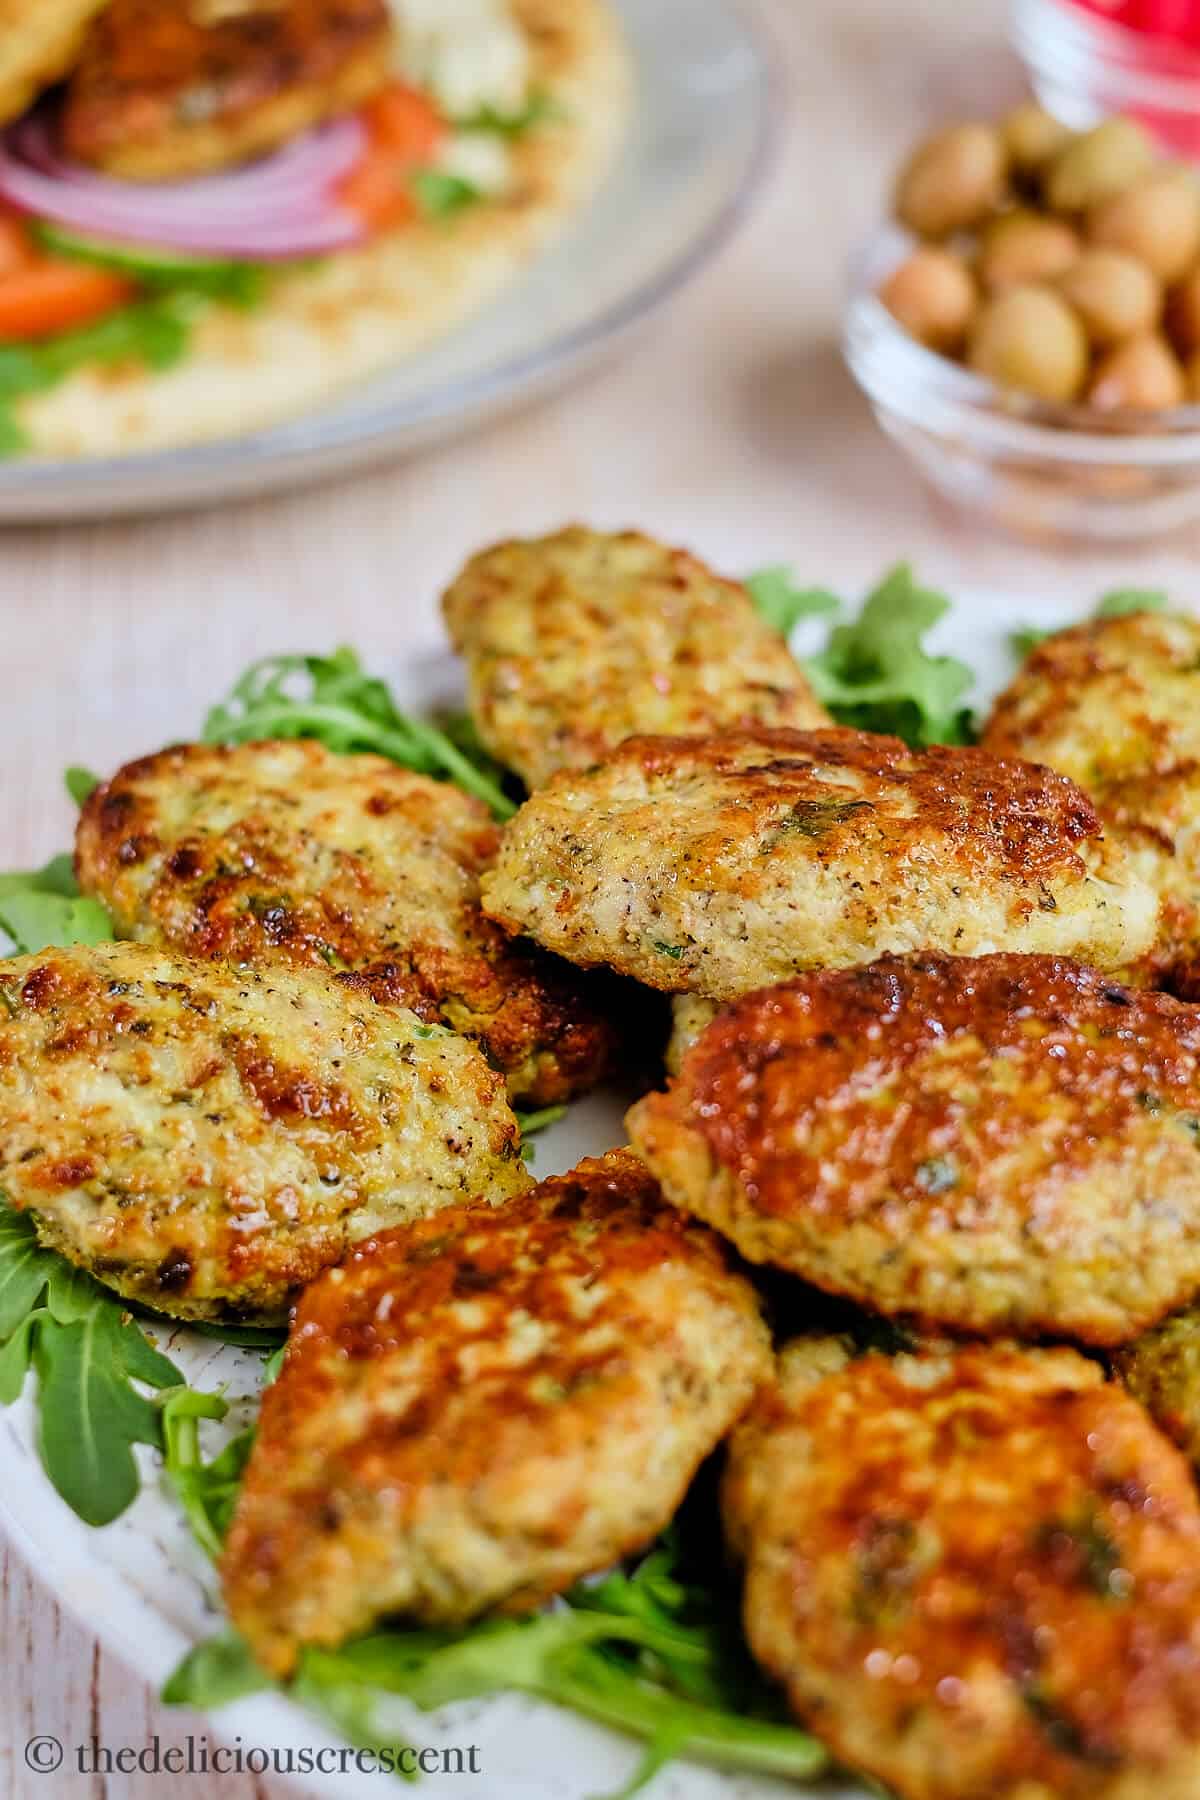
(333, 699)
(440, 194)
(80, 783)
(876, 675)
(241, 284)
(541, 108)
(92, 1363)
(207, 1491)
(45, 907)
(783, 603)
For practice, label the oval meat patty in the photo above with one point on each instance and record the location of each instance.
(977, 1574)
(1162, 1369)
(715, 865)
(995, 1144)
(289, 853)
(206, 1139)
(175, 89)
(473, 1415)
(39, 41)
(574, 642)
(1115, 704)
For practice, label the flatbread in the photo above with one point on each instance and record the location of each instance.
(324, 328)
(39, 41)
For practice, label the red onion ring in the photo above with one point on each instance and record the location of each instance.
(284, 206)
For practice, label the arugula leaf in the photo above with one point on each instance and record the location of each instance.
(533, 1122)
(876, 675)
(45, 907)
(79, 783)
(333, 699)
(215, 1673)
(207, 1491)
(440, 195)
(88, 1353)
(782, 603)
(241, 284)
(1119, 601)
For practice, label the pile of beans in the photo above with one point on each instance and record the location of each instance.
(1060, 264)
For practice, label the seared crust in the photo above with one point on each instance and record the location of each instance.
(206, 1140)
(1115, 704)
(1162, 1369)
(173, 90)
(474, 1415)
(715, 865)
(289, 853)
(574, 642)
(992, 1145)
(977, 1574)
(39, 41)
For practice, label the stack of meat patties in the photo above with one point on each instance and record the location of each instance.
(922, 1072)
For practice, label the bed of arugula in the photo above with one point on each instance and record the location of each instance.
(654, 1649)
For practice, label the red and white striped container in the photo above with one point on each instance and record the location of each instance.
(1088, 59)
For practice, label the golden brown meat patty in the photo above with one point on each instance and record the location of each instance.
(1162, 1369)
(39, 41)
(1115, 704)
(207, 1139)
(576, 641)
(289, 853)
(473, 1416)
(977, 1574)
(1001, 1144)
(715, 865)
(175, 89)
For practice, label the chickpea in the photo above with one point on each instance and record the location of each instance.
(1023, 246)
(1032, 136)
(1097, 165)
(1183, 314)
(951, 181)
(932, 294)
(1028, 338)
(1143, 372)
(1157, 220)
(1115, 296)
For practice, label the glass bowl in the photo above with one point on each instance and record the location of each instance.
(1040, 470)
(1084, 67)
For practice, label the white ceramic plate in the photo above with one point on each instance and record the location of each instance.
(144, 1587)
(689, 166)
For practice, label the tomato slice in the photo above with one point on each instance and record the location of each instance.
(405, 122)
(377, 190)
(40, 298)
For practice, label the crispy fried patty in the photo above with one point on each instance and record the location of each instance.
(174, 89)
(995, 1144)
(472, 1416)
(206, 1139)
(39, 41)
(977, 1574)
(715, 865)
(1115, 704)
(288, 853)
(1163, 1370)
(576, 641)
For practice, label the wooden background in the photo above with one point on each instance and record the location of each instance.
(732, 428)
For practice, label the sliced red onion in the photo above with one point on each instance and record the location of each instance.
(284, 206)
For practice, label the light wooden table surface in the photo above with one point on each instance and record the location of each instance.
(732, 428)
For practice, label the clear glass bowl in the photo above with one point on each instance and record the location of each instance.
(1039, 470)
(1084, 67)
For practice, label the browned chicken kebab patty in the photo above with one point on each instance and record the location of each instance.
(713, 865)
(286, 852)
(1001, 1144)
(207, 1139)
(165, 90)
(1162, 1369)
(975, 1572)
(573, 642)
(473, 1416)
(1115, 704)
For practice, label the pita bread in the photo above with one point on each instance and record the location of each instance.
(322, 329)
(39, 41)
